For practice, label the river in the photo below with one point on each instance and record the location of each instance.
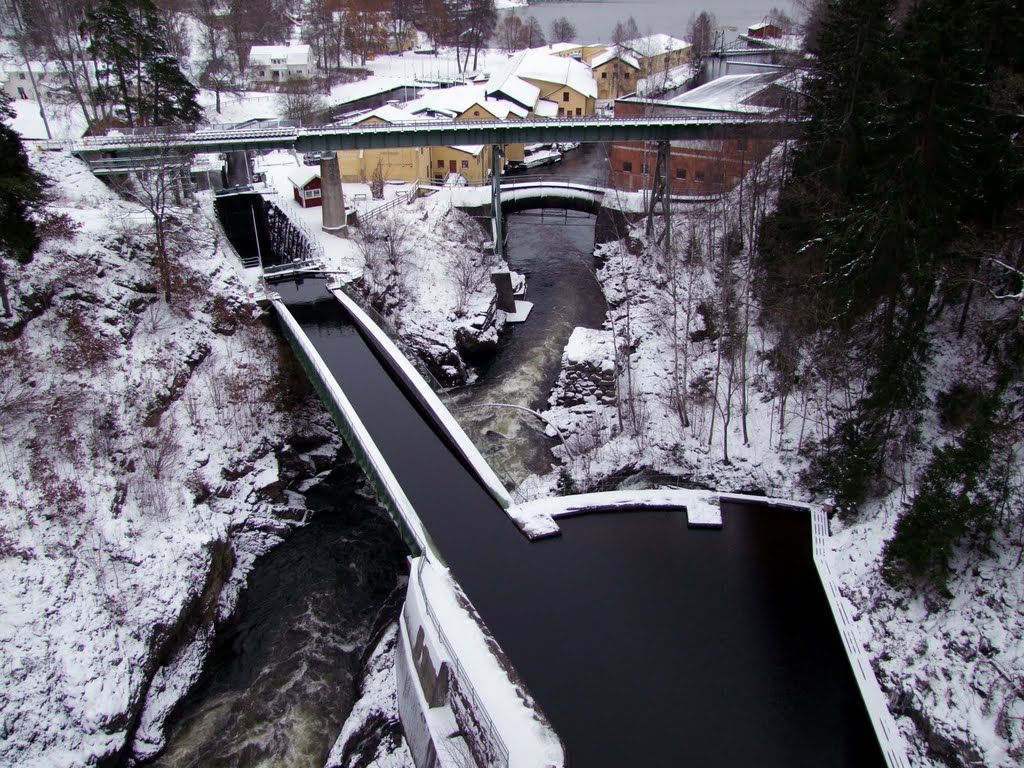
(554, 249)
(595, 20)
(280, 680)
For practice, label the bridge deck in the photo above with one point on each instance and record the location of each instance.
(645, 642)
(430, 133)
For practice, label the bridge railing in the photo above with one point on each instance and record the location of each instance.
(484, 718)
(393, 333)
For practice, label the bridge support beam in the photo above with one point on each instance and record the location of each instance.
(499, 233)
(661, 196)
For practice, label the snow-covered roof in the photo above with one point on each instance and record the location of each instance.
(557, 48)
(791, 43)
(546, 108)
(292, 55)
(37, 67)
(300, 177)
(727, 94)
(653, 45)
(469, 149)
(535, 65)
(763, 24)
(452, 102)
(518, 90)
(389, 113)
(610, 54)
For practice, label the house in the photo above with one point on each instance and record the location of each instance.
(398, 164)
(546, 85)
(764, 29)
(306, 186)
(281, 63)
(707, 166)
(16, 79)
(473, 162)
(616, 73)
(658, 53)
(470, 103)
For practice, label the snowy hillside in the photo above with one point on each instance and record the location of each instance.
(143, 457)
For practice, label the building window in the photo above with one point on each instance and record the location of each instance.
(627, 75)
(465, 163)
(440, 163)
(627, 166)
(645, 168)
(681, 173)
(604, 75)
(311, 194)
(476, 113)
(699, 177)
(579, 111)
(565, 95)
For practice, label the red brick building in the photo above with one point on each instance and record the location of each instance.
(698, 168)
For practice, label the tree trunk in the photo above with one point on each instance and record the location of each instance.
(3, 292)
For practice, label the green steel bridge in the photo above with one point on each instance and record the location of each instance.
(429, 133)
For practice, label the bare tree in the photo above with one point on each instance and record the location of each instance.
(511, 34)
(534, 33)
(158, 188)
(383, 242)
(562, 30)
(300, 101)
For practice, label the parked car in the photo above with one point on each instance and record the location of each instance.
(312, 158)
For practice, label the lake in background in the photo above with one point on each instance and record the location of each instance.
(595, 20)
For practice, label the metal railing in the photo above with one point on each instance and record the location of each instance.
(465, 685)
(426, 132)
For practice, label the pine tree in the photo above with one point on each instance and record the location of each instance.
(128, 36)
(21, 191)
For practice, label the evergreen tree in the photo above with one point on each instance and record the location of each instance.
(21, 191)
(907, 158)
(128, 36)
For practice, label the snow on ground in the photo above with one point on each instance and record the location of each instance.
(373, 731)
(140, 477)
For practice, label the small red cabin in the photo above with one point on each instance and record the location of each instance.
(306, 187)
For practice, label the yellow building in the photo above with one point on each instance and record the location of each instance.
(405, 164)
(548, 86)
(658, 53)
(473, 163)
(616, 74)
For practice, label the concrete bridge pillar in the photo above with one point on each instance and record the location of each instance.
(499, 234)
(331, 197)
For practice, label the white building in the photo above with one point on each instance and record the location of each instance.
(280, 63)
(16, 80)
